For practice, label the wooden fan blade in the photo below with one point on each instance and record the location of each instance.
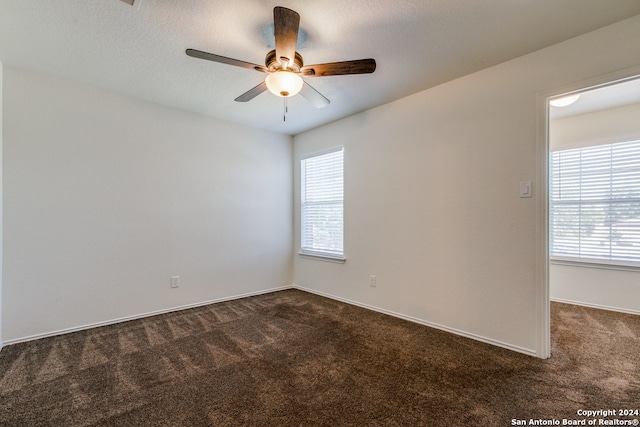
(252, 93)
(358, 66)
(224, 60)
(317, 99)
(285, 29)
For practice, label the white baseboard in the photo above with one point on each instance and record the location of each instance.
(519, 349)
(601, 307)
(139, 316)
(266, 291)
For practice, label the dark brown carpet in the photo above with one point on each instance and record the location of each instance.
(295, 359)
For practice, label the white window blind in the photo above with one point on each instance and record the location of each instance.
(322, 196)
(594, 200)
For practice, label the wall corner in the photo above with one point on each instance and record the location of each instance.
(1, 235)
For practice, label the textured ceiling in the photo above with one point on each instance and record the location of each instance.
(139, 50)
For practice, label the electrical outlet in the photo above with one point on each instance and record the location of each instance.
(175, 281)
(372, 281)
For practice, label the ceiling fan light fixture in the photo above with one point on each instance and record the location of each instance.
(284, 83)
(565, 100)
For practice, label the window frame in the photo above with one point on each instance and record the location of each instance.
(578, 202)
(305, 251)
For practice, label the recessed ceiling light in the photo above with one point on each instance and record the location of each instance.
(565, 100)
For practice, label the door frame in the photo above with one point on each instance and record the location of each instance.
(543, 298)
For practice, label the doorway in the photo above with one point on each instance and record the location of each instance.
(593, 196)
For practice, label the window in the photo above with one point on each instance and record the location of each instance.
(594, 200)
(322, 177)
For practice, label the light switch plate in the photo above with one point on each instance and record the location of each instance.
(525, 189)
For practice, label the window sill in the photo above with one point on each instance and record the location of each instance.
(323, 257)
(594, 264)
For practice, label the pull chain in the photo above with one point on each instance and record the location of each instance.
(286, 110)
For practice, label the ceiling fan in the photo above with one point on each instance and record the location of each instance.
(284, 66)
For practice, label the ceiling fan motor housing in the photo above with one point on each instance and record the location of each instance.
(273, 63)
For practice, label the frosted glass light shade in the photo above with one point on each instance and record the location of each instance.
(284, 83)
(565, 100)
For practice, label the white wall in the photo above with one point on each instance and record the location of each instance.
(431, 194)
(106, 197)
(617, 290)
(608, 288)
(608, 126)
